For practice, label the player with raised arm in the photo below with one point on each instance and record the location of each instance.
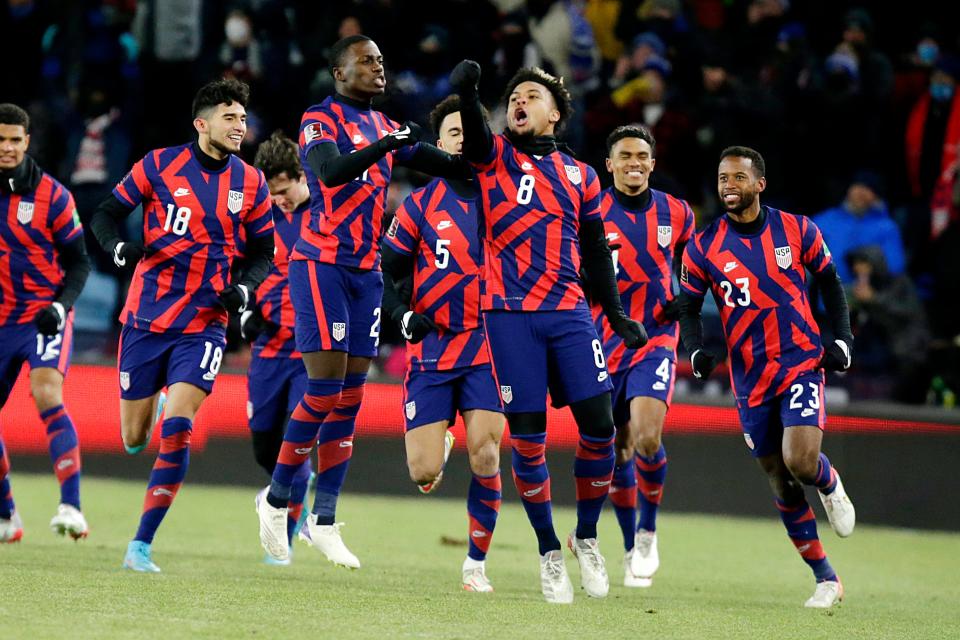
(434, 239)
(347, 150)
(43, 267)
(540, 218)
(276, 379)
(755, 260)
(198, 200)
(648, 229)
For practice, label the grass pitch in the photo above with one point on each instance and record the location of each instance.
(720, 577)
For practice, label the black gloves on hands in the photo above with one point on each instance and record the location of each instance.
(408, 134)
(632, 332)
(837, 356)
(703, 363)
(51, 320)
(235, 298)
(671, 310)
(465, 77)
(252, 324)
(126, 255)
(414, 326)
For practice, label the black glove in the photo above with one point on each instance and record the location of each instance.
(414, 326)
(126, 255)
(235, 298)
(252, 324)
(632, 332)
(671, 310)
(703, 363)
(465, 77)
(51, 320)
(837, 356)
(408, 134)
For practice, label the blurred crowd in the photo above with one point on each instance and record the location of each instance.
(854, 109)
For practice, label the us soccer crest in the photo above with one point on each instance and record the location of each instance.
(506, 392)
(664, 235)
(24, 212)
(234, 201)
(339, 330)
(784, 256)
(573, 173)
(125, 380)
(411, 409)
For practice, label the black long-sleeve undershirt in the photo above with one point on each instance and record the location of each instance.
(598, 264)
(106, 221)
(335, 169)
(691, 325)
(835, 302)
(396, 268)
(477, 137)
(259, 259)
(76, 267)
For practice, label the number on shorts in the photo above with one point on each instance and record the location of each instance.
(177, 219)
(212, 356)
(525, 192)
(375, 327)
(442, 261)
(49, 348)
(663, 371)
(598, 354)
(797, 391)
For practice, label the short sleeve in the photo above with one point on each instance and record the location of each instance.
(258, 221)
(815, 254)
(316, 127)
(63, 217)
(591, 194)
(135, 187)
(693, 275)
(403, 235)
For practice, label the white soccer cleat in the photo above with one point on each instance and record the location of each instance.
(11, 529)
(475, 576)
(69, 521)
(826, 595)
(273, 529)
(839, 508)
(593, 568)
(448, 440)
(646, 558)
(554, 581)
(630, 579)
(326, 538)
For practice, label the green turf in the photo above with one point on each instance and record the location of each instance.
(720, 577)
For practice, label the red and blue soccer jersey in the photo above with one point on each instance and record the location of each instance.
(273, 295)
(439, 227)
(31, 226)
(532, 208)
(192, 221)
(759, 283)
(346, 221)
(644, 264)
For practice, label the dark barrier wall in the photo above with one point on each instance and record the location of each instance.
(899, 472)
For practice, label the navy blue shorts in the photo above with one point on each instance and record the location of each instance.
(336, 308)
(150, 361)
(801, 405)
(652, 377)
(434, 396)
(21, 343)
(540, 351)
(274, 388)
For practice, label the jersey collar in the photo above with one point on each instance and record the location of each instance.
(639, 202)
(23, 178)
(356, 104)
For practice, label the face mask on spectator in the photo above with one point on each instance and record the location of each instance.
(237, 31)
(928, 52)
(941, 91)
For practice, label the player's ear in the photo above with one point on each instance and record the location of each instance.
(200, 124)
(761, 184)
(439, 144)
(609, 165)
(554, 116)
(653, 163)
(338, 74)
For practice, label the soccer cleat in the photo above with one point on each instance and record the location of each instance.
(554, 582)
(273, 562)
(326, 538)
(138, 558)
(69, 521)
(273, 528)
(475, 576)
(826, 595)
(304, 533)
(646, 558)
(630, 579)
(448, 441)
(593, 569)
(839, 508)
(11, 529)
(161, 405)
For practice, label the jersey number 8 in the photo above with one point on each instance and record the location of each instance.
(525, 192)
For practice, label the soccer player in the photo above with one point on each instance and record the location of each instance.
(276, 379)
(347, 150)
(198, 200)
(649, 229)
(434, 238)
(755, 260)
(540, 210)
(43, 267)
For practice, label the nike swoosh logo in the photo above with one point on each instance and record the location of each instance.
(803, 548)
(479, 534)
(63, 464)
(600, 483)
(532, 492)
(303, 451)
(346, 444)
(162, 492)
(402, 132)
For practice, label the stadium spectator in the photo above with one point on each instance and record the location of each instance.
(862, 219)
(240, 52)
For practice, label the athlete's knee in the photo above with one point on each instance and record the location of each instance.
(803, 466)
(485, 459)
(422, 470)
(594, 416)
(648, 443)
(46, 394)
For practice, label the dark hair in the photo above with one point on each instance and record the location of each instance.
(339, 49)
(631, 131)
(222, 91)
(12, 114)
(553, 84)
(278, 154)
(759, 166)
(450, 104)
